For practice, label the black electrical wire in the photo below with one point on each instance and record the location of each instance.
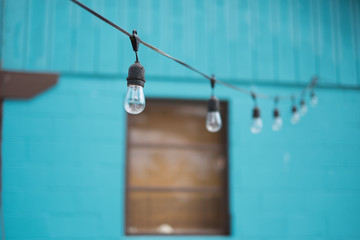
(234, 87)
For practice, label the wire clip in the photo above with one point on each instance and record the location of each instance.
(135, 41)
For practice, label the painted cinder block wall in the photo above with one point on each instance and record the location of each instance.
(64, 151)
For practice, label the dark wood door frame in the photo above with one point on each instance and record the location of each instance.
(21, 85)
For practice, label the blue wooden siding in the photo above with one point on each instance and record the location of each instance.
(272, 40)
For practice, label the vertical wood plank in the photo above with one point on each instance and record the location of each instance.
(254, 32)
(2, 30)
(200, 38)
(63, 29)
(146, 27)
(327, 44)
(307, 65)
(336, 32)
(275, 29)
(189, 44)
(264, 42)
(232, 35)
(50, 30)
(286, 51)
(221, 55)
(346, 45)
(210, 28)
(155, 38)
(294, 8)
(37, 39)
(74, 23)
(15, 34)
(244, 40)
(108, 48)
(170, 38)
(123, 48)
(315, 22)
(356, 29)
(85, 41)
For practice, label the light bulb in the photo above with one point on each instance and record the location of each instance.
(213, 118)
(314, 99)
(257, 123)
(295, 116)
(213, 121)
(277, 124)
(134, 101)
(303, 108)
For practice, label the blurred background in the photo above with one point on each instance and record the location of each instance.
(76, 166)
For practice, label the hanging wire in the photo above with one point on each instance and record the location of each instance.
(311, 85)
(212, 83)
(276, 101)
(254, 98)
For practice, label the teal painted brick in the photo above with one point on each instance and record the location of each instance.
(307, 225)
(79, 225)
(111, 225)
(284, 178)
(283, 202)
(32, 226)
(65, 176)
(343, 178)
(262, 225)
(246, 203)
(15, 150)
(70, 152)
(347, 225)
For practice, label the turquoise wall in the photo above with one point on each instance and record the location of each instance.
(64, 151)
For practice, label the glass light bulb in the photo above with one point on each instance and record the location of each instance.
(277, 124)
(256, 125)
(134, 101)
(314, 100)
(303, 109)
(213, 121)
(295, 118)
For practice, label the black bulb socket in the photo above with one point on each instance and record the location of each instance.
(213, 104)
(302, 102)
(294, 109)
(136, 75)
(276, 113)
(256, 112)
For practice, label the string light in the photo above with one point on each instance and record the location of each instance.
(303, 107)
(314, 99)
(257, 123)
(295, 117)
(277, 124)
(213, 118)
(134, 102)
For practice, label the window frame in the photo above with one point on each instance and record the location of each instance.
(225, 127)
